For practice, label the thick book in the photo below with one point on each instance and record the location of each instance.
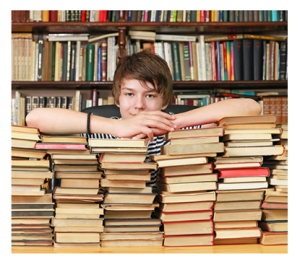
(190, 133)
(283, 56)
(257, 59)
(253, 151)
(104, 61)
(248, 59)
(246, 119)
(187, 170)
(188, 240)
(186, 58)
(122, 157)
(202, 149)
(237, 233)
(274, 238)
(176, 61)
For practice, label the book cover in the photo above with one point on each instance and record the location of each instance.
(248, 59)
(225, 61)
(186, 58)
(228, 61)
(176, 61)
(104, 61)
(257, 59)
(282, 67)
(248, 172)
(90, 62)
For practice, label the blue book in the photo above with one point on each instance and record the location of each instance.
(274, 15)
(218, 60)
(99, 69)
(221, 16)
(129, 16)
(116, 16)
(157, 15)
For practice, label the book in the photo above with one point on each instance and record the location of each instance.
(180, 162)
(187, 170)
(191, 133)
(246, 119)
(274, 238)
(253, 151)
(122, 158)
(190, 178)
(244, 185)
(202, 149)
(185, 215)
(238, 215)
(237, 233)
(236, 205)
(118, 143)
(63, 139)
(128, 198)
(165, 197)
(187, 187)
(257, 59)
(247, 59)
(249, 172)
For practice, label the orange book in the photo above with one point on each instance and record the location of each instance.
(273, 106)
(266, 105)
(198, 17)
(278, 103)
(45, 15)
(284, 110)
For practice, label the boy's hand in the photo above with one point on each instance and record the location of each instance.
(144, 124)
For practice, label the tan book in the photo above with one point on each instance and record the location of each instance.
(77, 237)
(237, 205)
(253, 131)
(80, 183)
(63, 139)
(132, 235)
(274, 238)
(250, 126)
(166, 197)
(250, 136)
(147, 190)
(74, 156)
(188, 227)
(128, 214)
(195, 140)
(128, 177)
(129, 198)
(132, 243)
(189, 240)
(190, 178)
(219, 166)
(274, 226)
(132, 222)
(22, 143)
(252, 151)
(35, 154)
(45, 199)
(137, 228)
(129, 166)
(202, 149)
(120, 183)
(123, 157)
(246, 119)
(243, 179)
(187, 170)
(273, 215)
(185, 216)
(78, 191)
(79, 229)
(75, 168)
(222, 160)
(27, 181)
(239, 215)
(78, 175)
(236, 224)
(131, 143)
(85, 211)
(187, 206)
(119, 150)
(200, 132)
(248, 143)
(187, 187)
(181, 162)
(64, 222)
(241, 195)
(237, 233)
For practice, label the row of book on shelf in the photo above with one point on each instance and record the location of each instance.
(275, 103)
(221, 185)
(79, 57)
(150, 15)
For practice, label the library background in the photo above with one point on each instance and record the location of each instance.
(216, 187)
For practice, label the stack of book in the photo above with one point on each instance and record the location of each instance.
(275, 206)
(241, 186)
(242, 180)
(32, 206)
(129, 200)
(77, 193)
(186, 183)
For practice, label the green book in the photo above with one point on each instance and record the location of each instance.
(175, 16)
(90, 62)
(225, 16)
(176, 61)
(237, 15)
(186, 59)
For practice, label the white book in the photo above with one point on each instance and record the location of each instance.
(171, 60)
(77, 101)
(153, 13)
(138, 45)
(63, 16)
(166, 37)
(100, 101)
(29, 54)
(69, 61)
(207, 60)
(242, 186)
(184, 16)
(167, 54)
(109, 58)
(32, 70)
(199, 68)
(88, 103)
(30, 15)
(17, 105)
(114, 58)
(37, 15)
(20, 57)
(92, 15)
(13, 111)
(162, 15)
(77, 61)
(80, 64)
(115, 34)
(202, 58)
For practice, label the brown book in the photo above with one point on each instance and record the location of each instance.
(238, 215)
(246, 119)
(266, 105)
(272, 60)
(49, 64)
(202, 149)
(273, 107)
(253, 151)
(274, 238)
(284, 110)
(181, 58)
(274, 214)
(46, 62)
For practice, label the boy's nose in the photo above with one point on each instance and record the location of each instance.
(139, 103)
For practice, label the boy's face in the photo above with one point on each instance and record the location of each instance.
(135, 97)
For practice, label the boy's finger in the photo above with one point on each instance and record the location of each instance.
(140, 136)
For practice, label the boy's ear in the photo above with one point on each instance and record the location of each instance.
(164, 107)
(117, 104)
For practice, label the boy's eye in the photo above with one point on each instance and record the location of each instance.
(129, 94)
(150, 95)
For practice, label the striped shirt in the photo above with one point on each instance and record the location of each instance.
(153, 149)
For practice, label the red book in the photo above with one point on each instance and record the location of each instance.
(265, 172)
(59, 146)
(202, 15)
(231, 62)
(104, 15)
(226, 78)
(213, 60)
(207, 15)
(145, 16)
(152, 48)
(15, 15)
(94, 97)
(266, 205)
(100, 15)
(83, 15)
(53, 15)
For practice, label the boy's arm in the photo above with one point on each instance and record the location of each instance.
(212, 113)
(65, 121)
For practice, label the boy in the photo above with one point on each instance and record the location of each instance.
(142, 87)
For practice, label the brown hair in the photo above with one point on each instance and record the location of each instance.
(146, 67)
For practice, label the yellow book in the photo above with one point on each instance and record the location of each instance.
(198, 16)
(212, 15)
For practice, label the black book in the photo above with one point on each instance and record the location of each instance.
(169, 14)
(69, 102)
(79, 15)
(58, 102)
(134, 15)
(193, 15)
(158, 15)
(282, 67)
(149, 16)
(64, 60)
(73, 59)
(72, 15)
(34, 102)
(42, 101)
(237, 16)
(265, 15)
(286, 15)
(27, 105)
(257, 59)
(47, 102)
(40, 57)
(52, 103)
(280, 15)
(87, 15)
(143, 16)
(248, 59)
(67, 15)
(238, 59)
(64, 102)
(109, 15)
(139, 16)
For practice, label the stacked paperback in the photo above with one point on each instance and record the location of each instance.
(32, 206)
(129, 200)
(77, 192)
(242, 179)
(275, 205)
(186, 186)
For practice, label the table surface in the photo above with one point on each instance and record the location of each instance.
(245, 248)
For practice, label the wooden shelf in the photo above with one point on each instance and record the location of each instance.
(159, 27)
(193, 85)
(250, 248)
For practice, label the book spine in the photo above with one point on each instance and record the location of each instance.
(231, 62)
(267, 61)
(228, 60)
(90, 62)
(272, 60)
(213, 60)
(195, 62)
(238, 59)
(218, 60)
(104, 61)
(284, 110)
(191, 60)
(282, 67)
(202, 57)
(73, 61)
(278, 107)
(186, 58)
(225, 61)
(221, 61)
(99, 60)
(181, 59)
(40, 57)
(264, 44)
(248, 59)
(257, 59)
(77, 60)
(68, 60)
(94, 97)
